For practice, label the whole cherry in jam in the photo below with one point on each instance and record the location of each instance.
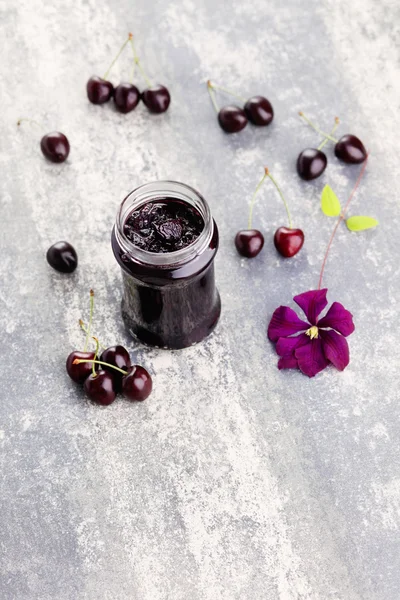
(62, 257)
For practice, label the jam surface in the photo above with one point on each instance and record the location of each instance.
(164, 225)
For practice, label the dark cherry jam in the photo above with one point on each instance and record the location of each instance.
(165, 242)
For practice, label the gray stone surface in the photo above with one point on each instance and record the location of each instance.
(234, 480)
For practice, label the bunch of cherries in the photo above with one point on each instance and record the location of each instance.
(126, 95)
(258, 110)
(105, 374)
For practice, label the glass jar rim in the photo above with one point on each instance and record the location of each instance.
(149, 192)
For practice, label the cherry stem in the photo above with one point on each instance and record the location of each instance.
(31, 121)
(78, 361)
(253, 199)
(84, 329)
(90, 320)
(137, 61)
(340, 219)
(226, 91)
(282, 197)
(96, 353)
(117, 57)
(317, 129)
(212, 96)
(322, 144)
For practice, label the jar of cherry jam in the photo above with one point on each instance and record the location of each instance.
(165, 241)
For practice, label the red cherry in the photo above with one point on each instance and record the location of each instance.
(99, 90)
(311, 163)
(119, 357)
(100, 387)
(81, 371)
(259, 110)
(288, 242)
(126, 97)
(232, 119)
(137, 384)
(55, 146)
(249, 242)
(157, 98)
(350, 149)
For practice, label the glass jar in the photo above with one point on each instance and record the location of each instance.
(169, 299)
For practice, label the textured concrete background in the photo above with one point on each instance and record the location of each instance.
(234, 480)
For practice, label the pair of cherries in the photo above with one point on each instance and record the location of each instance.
(111, 373)
(258, 110)
(312, 162)
(287, 240)
(126, 95)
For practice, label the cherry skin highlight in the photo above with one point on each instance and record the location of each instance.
(259, 111)
(311, 163)
(157, 98)
(126, 97)
(249, 242)
(99, 90)
(119, 357)
(232, 119)
(62, 257)
(288, 242)
(81, 371)
(55, 146)
(137, 384)
(100, 387)
(350, 149)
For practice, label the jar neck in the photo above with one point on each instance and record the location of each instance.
(157, 191)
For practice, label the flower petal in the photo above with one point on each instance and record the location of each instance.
(285, 322)
(287, 363)
(311, 358)
(336, 349)
(312, 303)
(285, 347)
(339, 318)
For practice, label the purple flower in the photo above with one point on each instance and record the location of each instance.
(311, 346)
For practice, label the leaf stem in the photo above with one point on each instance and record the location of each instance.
(317, 129)
(212, 96)
(117, 56)
(282, 197)
(78, 361)
(90, 319)
(340, 219)
(253, 198)
(226, 91)
(326, 140)
(137, 61)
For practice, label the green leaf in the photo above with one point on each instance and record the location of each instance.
(330, 204)
(360, 223)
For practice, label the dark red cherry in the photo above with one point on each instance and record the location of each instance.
(156, 98)
(311, 163)
(100, 387)
(350, 149)
(288, 242)
(81, 371)
(232, 119)
(126, 97)
(137, 384)
(249, 242)
(62, 257)
(55, 146)
(119, 357)
(99, 90)
(259, 110)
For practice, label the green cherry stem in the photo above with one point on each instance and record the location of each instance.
(96, 353)
(253, 198)
(78, 361)
(31, 121)
(90, 320)
(212, 96)
(137, 61)
(340, 219)
(326, 140)
(281, 195)
(317, 129)
(117, 56)
(226, 91)
(84, 329)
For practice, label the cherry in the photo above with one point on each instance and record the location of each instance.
(62, 257)
(116, 356)
(232, 119)
(350, 149)
(249, 242)
(99, 90)
(137, 383)
(100, 387)
(55, 146)
(79, 371)
(126, 97)
(311, 163)
(156, 98)
(259, 110)
(288, 241)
